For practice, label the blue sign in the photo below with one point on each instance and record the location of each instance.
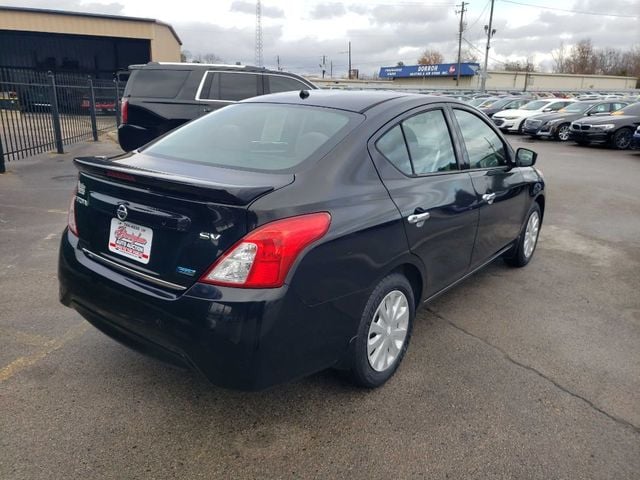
(437, 70)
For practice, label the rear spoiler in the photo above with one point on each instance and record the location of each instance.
(213, 191)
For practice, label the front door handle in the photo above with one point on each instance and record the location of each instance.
(489, 197)
(418, 219)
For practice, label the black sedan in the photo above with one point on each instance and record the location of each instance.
(615, 129)
(556, 125)
(295, 232)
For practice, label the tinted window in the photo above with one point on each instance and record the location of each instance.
(554, 107)
(229, 86)
(392, 146)
(603, 107)
(256, 136)
(484, 147)
(157, 83)
(535, 105)
(429, 143)
(279, 83)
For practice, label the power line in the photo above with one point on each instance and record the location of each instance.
(580, 12)
(480, 16)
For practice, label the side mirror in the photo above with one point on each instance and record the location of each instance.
(547, 109)
(525, 157)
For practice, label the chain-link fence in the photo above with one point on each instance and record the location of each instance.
(42, 111)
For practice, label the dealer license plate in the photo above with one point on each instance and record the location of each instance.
(130, 240)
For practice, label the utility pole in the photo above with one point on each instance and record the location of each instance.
(462, 10)
(331, 69)
(349, 59)
(278, 62)
(490, 33)
(323, 65)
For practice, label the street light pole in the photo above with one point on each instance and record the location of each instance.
(490, 33)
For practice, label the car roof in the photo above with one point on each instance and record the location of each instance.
(355, 101)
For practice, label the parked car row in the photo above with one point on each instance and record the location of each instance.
(611, 121)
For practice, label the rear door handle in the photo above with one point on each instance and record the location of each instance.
(489, 197)
(418, 219)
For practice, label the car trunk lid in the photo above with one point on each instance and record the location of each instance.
(146, 217)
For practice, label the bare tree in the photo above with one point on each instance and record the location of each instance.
(469, 56)
(582, 58)
(559, 59)
(430, 57)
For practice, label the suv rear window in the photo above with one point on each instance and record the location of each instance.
(257, 136)
(229, 86)
(156, 83)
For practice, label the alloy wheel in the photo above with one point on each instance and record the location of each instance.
(623, 139)
(563, 133)
(531, 234)
(388, 331)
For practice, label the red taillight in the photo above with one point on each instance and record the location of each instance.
(124, 111)
(263, 258)
(71, 216)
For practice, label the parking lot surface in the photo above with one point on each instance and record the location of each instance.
(516, 373)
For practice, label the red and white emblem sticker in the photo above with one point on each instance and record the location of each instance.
(130, 240)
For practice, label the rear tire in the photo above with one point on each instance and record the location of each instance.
(528, 239)
(379, 349)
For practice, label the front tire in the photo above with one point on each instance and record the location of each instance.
(563, 133)
(528, 239)
(621, 140)
(384, 332)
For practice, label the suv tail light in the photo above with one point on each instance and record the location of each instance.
(71, 216)
(263, 258)
(124, 110)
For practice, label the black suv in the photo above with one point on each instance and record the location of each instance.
(162, 96)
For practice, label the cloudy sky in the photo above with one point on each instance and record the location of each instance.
(382, 32)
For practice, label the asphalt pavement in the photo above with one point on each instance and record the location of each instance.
(529, 373)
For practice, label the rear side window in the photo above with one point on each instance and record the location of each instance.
(229, 86)
(429, 143)
(420, 145)
(484, 146)
(257, 136)
(278, 83)
(393, 147)
(157, 83)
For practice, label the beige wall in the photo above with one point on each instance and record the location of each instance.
(164, 45)
(496, 81)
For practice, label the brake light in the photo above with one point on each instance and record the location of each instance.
(263, 258)
(124, 111)
(71, 216)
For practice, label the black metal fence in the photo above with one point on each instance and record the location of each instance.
(42, 111)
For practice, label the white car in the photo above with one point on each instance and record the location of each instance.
(513, 120)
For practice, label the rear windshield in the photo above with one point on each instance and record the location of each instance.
(633, 109)
(257, 136)
(156, 83)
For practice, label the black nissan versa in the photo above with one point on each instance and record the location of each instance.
(161, 96)
(294, 232)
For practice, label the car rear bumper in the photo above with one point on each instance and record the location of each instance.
(238, 338)
(590, 136)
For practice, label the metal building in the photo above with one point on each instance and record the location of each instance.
(97, 45)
